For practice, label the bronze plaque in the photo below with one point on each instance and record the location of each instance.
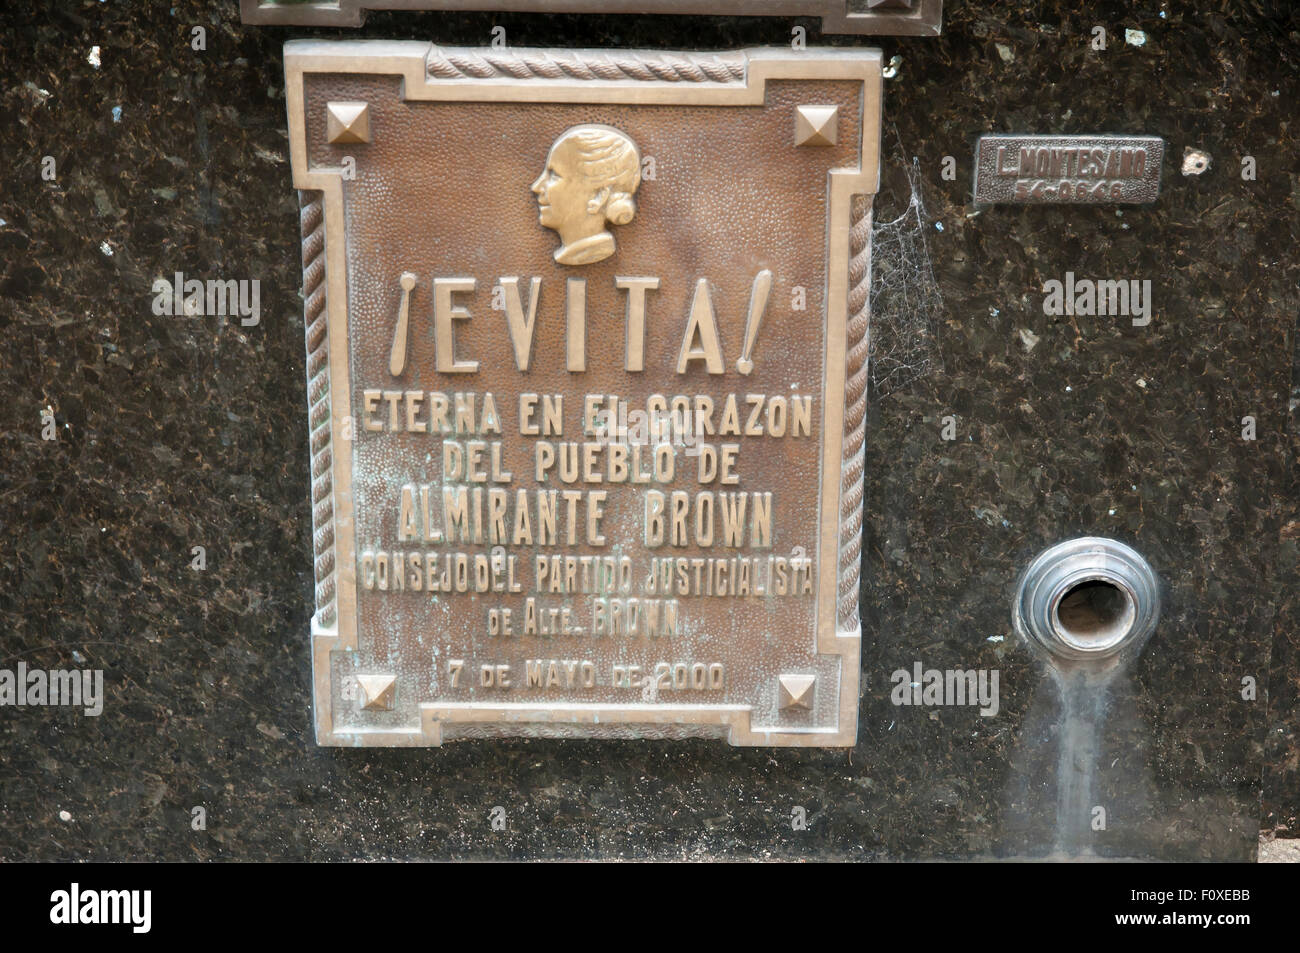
(896, 17)
(1083, 170)
(586, 356)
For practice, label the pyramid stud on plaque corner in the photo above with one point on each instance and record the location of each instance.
(347, 122)
(377, 692)
(797, 691)
(816, 125)
(891, 4)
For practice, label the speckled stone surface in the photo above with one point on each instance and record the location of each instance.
(180, 432)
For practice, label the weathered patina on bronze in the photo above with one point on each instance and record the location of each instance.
(586, 342)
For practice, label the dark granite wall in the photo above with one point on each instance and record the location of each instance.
(180, 432)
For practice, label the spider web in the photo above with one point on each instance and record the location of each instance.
(905, 299)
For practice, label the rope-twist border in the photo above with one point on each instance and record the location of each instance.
(855, 413)
(316, 321)
(705, 68)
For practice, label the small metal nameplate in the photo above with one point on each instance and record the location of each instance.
(586, 357)
(879, 17)
(1091, 170)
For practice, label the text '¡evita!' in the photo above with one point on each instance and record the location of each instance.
(700, 338)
